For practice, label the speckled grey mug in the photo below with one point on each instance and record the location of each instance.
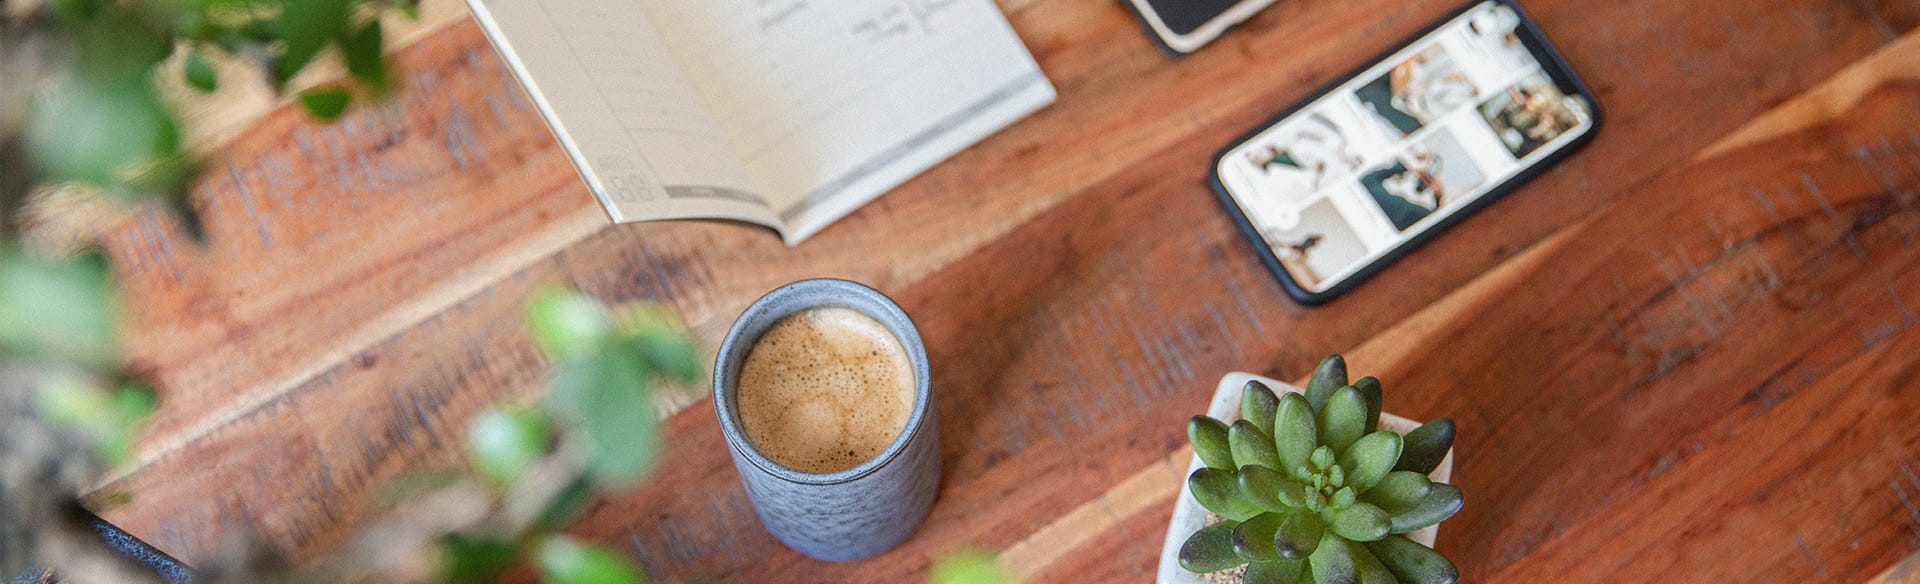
(857, 512)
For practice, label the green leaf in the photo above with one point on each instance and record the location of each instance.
(1209, 438)
(1370, 459)
(470, 559)
(565, 561)
(1344, 419)
(1332, 562)
(622, 431)
(1322, 459)
(1398, 491)
(1329, 376)
(1357, 522)
(1270, 490)
(1439, 504)
(1344, 497)
(306, 27)
(200, 72)
(661, 340)
(503, 445)
(1210, 549)
(1369, 568)
(1274, 572)
(1253, 539)
(1427, 446)
(325, 103)
(1257, 404)
(63, 309)
(567, 325)
(1370, 389)
(1412, 563)
(1251, 445)
(100, 131)
(1294, 433)
(968, 567)
(365, 54)
(568, 505)
(1299, 535)
(1219, 491)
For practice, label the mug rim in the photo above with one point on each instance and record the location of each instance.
(735, 347)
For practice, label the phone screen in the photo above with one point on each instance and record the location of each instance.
(1343, 181)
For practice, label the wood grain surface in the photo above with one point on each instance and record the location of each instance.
(1688, 354)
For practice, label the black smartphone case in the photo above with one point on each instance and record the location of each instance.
(1555, 67)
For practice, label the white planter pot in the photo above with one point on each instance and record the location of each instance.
(1189, 516)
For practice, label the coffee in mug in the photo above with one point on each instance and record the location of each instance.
(826, 402)
(825, 389)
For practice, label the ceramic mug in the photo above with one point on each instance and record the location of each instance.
(853, 513)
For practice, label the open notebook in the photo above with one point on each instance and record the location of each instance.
(786, 113)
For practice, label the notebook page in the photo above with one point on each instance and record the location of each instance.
(830, 104)
(620, 107)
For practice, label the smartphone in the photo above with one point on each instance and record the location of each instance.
(1338, 187)
(1183, 26)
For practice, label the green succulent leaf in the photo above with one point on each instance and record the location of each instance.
(1368, 567)
(1295, 434)
(1398, 491)
(1209, 438)
(1426, 446)
(1257, 404)
(1219, 491)
(1254, 538)
(1370, 459)
(1344, 419)
(1274, 572)
(1322, 459)
(200, 72)
(565, 561)
(1270, 490)
(1332, 562)
(1330, 375)
(1251, 445)
(1343, 498)
(1412, 563)
(1336, 477)
(1370, 388)
(504, 444)
(1439, 504)
(1299, 535)
(1210, 549)
(1358, 521)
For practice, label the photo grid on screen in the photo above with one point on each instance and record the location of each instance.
(1353, 175)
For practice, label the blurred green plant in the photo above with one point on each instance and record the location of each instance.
(85, 108)
(1311, 490)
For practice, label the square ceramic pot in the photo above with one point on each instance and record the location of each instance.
(1189, 516)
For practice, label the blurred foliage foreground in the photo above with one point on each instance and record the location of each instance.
(89, 133)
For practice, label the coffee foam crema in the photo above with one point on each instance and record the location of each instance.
(825, 389)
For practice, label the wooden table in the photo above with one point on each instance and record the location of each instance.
(1688, 354)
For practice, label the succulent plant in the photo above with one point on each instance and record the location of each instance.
(1312, 491)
